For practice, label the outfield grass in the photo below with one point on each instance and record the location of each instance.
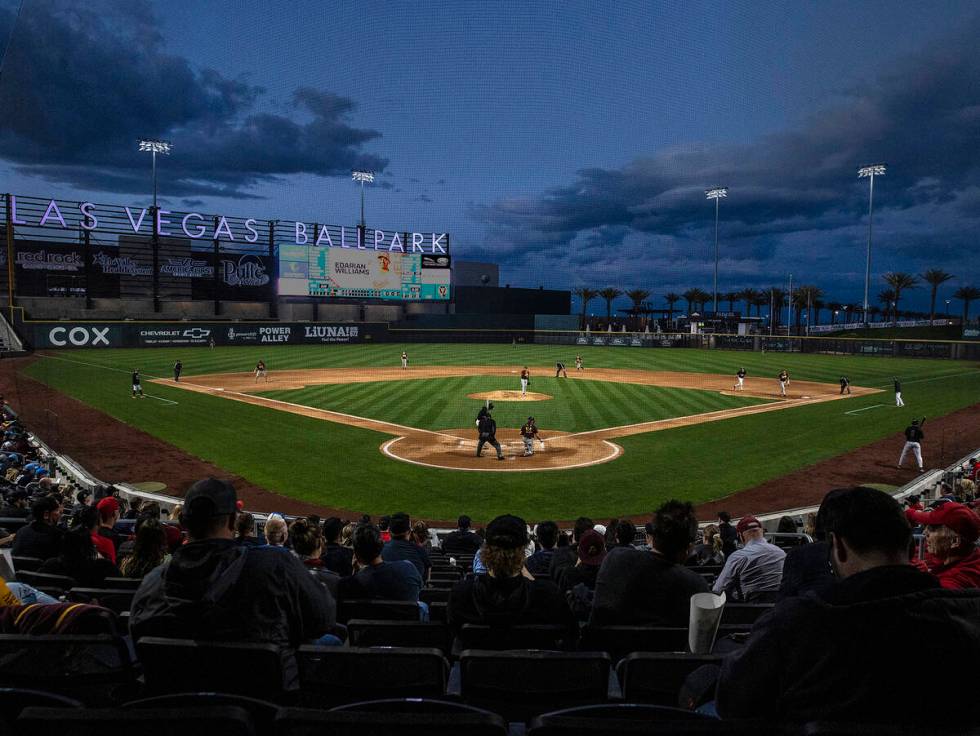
(340, 466)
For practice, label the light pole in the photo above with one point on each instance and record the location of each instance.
(869, 172)
(947, 311)
(154, 147)
(717, 194)
(362, 176)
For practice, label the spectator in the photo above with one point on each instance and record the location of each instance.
(539, 563)
(625, 534)
(752, 574)
(610, 534)
(651, 586)
(79, 561)
(82, 500)
(151, 510)
(842, 658)
(109, 511)
(810, 525)
(276, 532)
(579, 581)
(373, 577)
(567, 556)
(787, 525)
(505, 596)
(135, 508)
(708, 552)
(402, 548)
(16, 506)
(347, 536)
(336, 557)
(214, 588)
(88, 519)
(807, 567)
(729, 537)
(462, 541)
(42, 537)
(247, 531)
(383, 525)
(149, 549)
(308, 546)
(420, 536)
(952, 530)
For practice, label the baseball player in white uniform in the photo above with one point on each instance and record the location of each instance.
(404, 359)
(739, 380)
(578, 363)
(783, 381)
(525, 380)
(898, 393)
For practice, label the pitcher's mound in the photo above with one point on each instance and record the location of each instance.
(508, 396)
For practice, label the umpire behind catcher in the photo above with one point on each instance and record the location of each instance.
(487, 428)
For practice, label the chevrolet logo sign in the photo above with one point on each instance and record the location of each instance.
(197, 332)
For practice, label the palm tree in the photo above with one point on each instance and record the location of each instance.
(777, 298)
(967, 294)
(874, 310)
(586, 295)
(899, 281)
(935, 277)
(638, 296)
(691, 297)
(731, 297)
(609, 294)
(760, 300)
(748, 296)
(887, 297)
(818, 307)
(671, 298)
(703, 297)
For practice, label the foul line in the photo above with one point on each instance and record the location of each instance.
(109, 368)
(856, 411)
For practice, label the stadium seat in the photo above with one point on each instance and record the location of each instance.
(409, 706)
(224, 720)
(437, 611)
(122, 583)
(92, 669)
(55, 585)
(618, 641)
(262, 712)
(433, 635)
(521, 684)
(656, 677)
(822, 728)
(498, 638)
(14, 700)
(743, 613)
(183, 665)
(115, 600)
(377, 610)
(331, 676)
(23, 564)
(308, 722)
(625, 719)
(434, 595)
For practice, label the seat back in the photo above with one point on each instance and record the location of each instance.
(23, 564)
(744, 613)
(364, 633)
(624, 719)
(522, 684)
(13, 700)
(308, 722)
(55, 584)
(656, 677)
(224, 720)
(262, 712)
(332, 676)
(122, 583)
(115, 600)
(618, 641)
(377, 610)
(523, 636)
(433, 595)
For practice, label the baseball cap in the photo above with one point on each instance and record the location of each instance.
(592, 548)
(507, 532)
(957, 516)
(108, 505)
(210, 497)
(746, 523)
(400, 523)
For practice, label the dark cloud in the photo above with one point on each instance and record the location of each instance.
(83, 82)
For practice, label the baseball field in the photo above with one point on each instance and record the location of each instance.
(345, 427)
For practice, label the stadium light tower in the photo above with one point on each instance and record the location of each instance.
(717, 194)
(154, 146)
(869, 172)
(362, 176)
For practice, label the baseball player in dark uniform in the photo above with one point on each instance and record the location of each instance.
(739, 380)
(525, 381)
(487, 428)
(845, 385)
(560, 370)
(913, 439)
(484, 410)
(529, 433)
(898, 393)
(783, 381)
(137, 386)
(178, 367)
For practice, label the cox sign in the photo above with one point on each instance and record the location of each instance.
(60, 337)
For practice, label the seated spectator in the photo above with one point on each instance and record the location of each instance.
(149, 549)
(539, 563)
(567, 556)
(729, 537)
(505, 596)
(246, 530)
(383, 525)
(213, 588)
(462, 541)
(373, 577)
(651, 586)
(347, 536)
(625, 534)
(752, 574)
(79, 560)
(109, 513)
(845, 657)
(708, 552)
(610, 534)
(16, 506)
(83, 499)
(151, 509)
(402, 548)
(787, 525)
(275, 530)
(135, 508)
(952, 530)
(88, 519)
(420, 536)
(579, 581)
(42, 537)
(336, 557)
(307, 543)
(807, 567)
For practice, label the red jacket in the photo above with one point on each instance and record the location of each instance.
(105, 547)
(962, 574)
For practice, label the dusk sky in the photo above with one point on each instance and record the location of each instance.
(570, 142)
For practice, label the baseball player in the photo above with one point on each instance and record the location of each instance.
(261, 371)
(578, 363)
(211, 343)
(783, 381)
(529, 433)
(137, 386)
(525, 381)
(404, 359)
(484, 411)
(739, 380)
(560, 370)
(913, 438)
(178, 367)
(898, 393)
(487, 428)
(845, 385)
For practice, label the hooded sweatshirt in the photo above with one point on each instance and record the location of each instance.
(494, 601)
(217, 589)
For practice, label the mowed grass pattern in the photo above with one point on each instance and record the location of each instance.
(576, 406)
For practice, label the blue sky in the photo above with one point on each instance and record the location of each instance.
(570, 142)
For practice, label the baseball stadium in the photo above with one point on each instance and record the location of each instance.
(350, 394)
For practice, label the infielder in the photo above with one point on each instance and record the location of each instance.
(261, 371)
(529, 433)
(404, 359)
(578, 363)
(178, 367)
(898, 393)
(845, 385)
(560, 370)
(137, 386)
(739, 380)
(525, 381)
(783, 381)
(913, 438)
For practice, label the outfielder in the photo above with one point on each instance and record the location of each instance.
(783, 381)
(137, 386)
(404, 359)
(578, 363)
(739, 380)
(845, 385)
(913, 438)
(178, 367)
(529, 433)
(525, 381)
(898, 393)
(260, 371)
(560, 370)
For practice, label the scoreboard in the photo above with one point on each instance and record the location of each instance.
(362, 273)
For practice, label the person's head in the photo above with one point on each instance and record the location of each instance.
(749, 529)
(46, 510)
(420, 533)
(952, 530)
(151, 509)
(610, 534)
(18, 499)
(245, 526)
(77, 549)
(672, 530)
(810, 525)
(306, 539)
(276, 531)
(504, 546)
(463, 523)
(625, 532)
(84, 498)
(209, 510)
(87, 518)
(591, 549)
(384, 522)
(314, 520)
(724, 517)
(709, 534)
(547, 534)
(400, 525)
(332, 528)
(582, 525)
(865, 528)
(149, 548)
(367, 543)
(135, 503)
(109, 511)
(787, 525)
